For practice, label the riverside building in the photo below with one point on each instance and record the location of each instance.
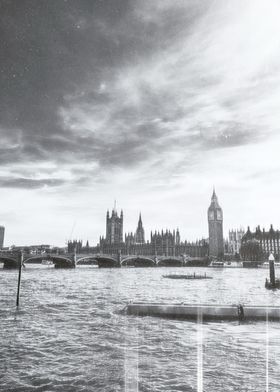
(160, 243)
(257, 245)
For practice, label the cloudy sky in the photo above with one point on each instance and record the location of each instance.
(147, 102)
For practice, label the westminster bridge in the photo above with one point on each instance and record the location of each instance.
(12, 259)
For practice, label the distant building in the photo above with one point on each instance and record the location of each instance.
(75, 246)
(162, 243)
(215, 225)
(2, 235)
(234, 241)
(114, 228)
(113, 241)
(33, 249)
(257, 245)
(168, 243)
(129, 239)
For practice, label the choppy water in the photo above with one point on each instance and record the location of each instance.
(69, 334)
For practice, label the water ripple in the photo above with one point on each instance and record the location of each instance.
(71, 333)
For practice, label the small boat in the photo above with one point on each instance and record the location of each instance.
(266, 265)
(47, 262)
(217, 264)
(233, 264)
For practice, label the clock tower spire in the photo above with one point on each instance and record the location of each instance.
(215, 225)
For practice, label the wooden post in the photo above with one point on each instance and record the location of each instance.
(20, 260)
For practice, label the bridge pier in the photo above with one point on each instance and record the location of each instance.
(66, 266)
(10, 264)
(68, 262)
(119, 259)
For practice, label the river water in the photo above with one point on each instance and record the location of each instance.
(70, 333)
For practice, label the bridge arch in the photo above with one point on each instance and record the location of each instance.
(9, 261)
(62, 261)
(34, 258)
(138, 261)
(106, 261)
(85, 258)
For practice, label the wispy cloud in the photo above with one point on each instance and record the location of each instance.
(130, 95)
(204, 84)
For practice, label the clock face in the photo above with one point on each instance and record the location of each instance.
(211, 215)
(219, 215)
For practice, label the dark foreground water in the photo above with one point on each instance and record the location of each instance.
(69, 334)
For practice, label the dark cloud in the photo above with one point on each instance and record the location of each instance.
(47, 50)
(28, 183)
(75, 84)
(50, 50)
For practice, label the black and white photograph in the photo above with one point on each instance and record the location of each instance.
(139, 187)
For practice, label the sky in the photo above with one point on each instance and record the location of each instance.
(149, 103)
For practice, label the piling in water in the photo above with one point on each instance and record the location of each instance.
(20, 260)
(273, 283)
(272, 272)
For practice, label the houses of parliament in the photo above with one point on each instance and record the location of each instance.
(160, 243)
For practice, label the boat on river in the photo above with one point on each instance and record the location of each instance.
(217, 264)
(226, 264)
(47, 262)
(266, 265)
(233, 264)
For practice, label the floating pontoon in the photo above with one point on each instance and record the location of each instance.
(205, 312)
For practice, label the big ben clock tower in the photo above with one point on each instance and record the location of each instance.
(215, 225)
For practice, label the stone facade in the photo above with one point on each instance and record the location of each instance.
(114, 228)
(75, 246)
(257, 245)
(138, 237)
(161, 243)
(234, 241)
